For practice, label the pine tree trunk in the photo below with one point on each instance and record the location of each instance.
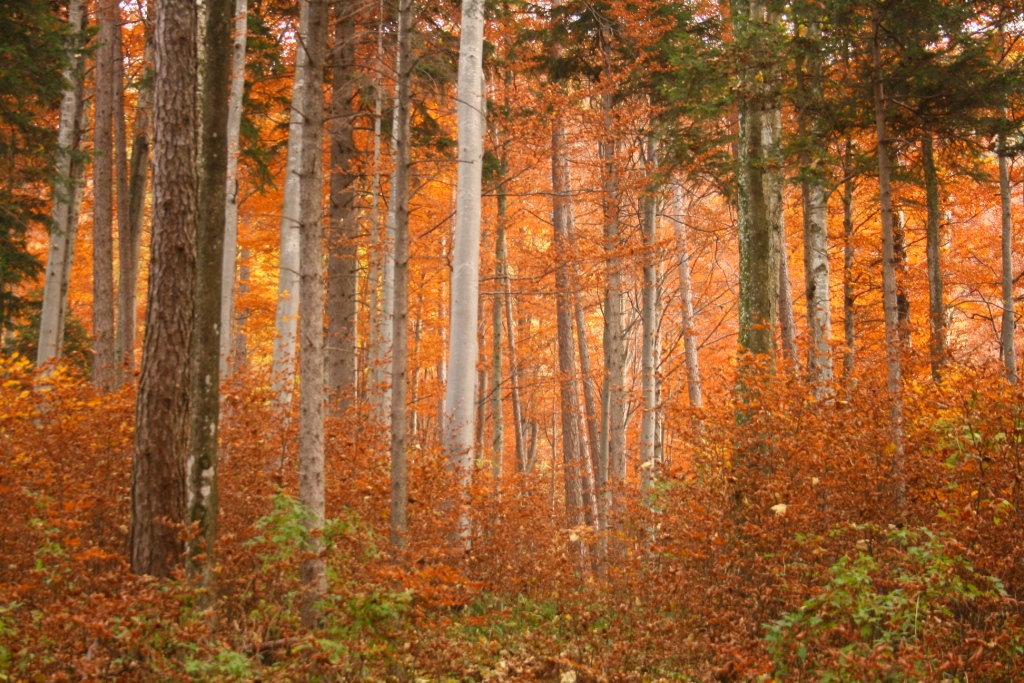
(202, 447)
(228, 363)
(463, 351)
(286, 316)
(103, 373)
(65, 198)
(936, 306)
(159, 479)
(1009, 321)
(399, 313)
(311, 294)
(893, 343)
(343, 231)
(693, 385)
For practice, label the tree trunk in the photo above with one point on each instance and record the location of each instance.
(612, 451)
(648, 317)
(686, 295)
(1009, 321)
(159, 479)
(815, 219)
(228, 363)
(123, 353)
(343, 232)
(787, 319)
(936, 305)
(400, 292)
(465, 285)
(579, 502)
(202, 446)
(103, 373)
(849, 296)
(893, 343)
(286, 316)
(902, 296)
(523, 461)
(311, 294)
(759, 240)
(130, 239)
(373, 276)
(498, 306)
(65, 197)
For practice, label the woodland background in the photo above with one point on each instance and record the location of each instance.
(737, 395)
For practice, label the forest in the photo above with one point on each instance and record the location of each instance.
(570, 341)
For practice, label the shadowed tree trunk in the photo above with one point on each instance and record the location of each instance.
(893, 342)
(849, 296)
(123, 353)
(1009, 318)
(159, 480)
(936, 305)
(311, 294)
(399, 314)
(343, 232)
(202, 447)
(686, 295)
(648, 316)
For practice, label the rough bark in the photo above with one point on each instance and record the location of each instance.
(65, 197)
(228, 362)
(1009, 318)
(159, 478)
(343, 230)
(400, 291)
(463, 350)
(311, 294)
(693, 385)
(893, 343)
(202, 446)
(103, 372)
(936, 305)
(759, 240)
(286, 316)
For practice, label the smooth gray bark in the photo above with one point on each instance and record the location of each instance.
(1009, 318)
(693, 385)
(463, 350)
(936, 305)
(228, 362)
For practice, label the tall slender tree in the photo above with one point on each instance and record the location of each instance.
(159, 481)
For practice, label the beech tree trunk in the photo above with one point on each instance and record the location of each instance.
(228, 363)
(893, 343)
(648, 316)
(612, 451)
(936, 305)
(66, 193)
(202, 445)
(498, 303)
(373, 276)
(686, 295)
(159, 480)
(399, 313)
(103, 371)
(311, 294)
(343, 231)
(524, 462)
(1009, 318)
(463, 351)
(286, 316)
